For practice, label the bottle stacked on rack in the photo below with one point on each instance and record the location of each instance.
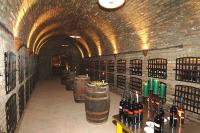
(131, 111)
(121, 108)
(181, 112)
(173, 115)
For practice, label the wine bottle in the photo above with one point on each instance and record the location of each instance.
(131, 113)
(121, 108)
(162, 113)
(181, 112)
(158, 123)
(136, 110)
(125, 112)
(173, 115)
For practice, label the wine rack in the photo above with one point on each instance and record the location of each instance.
(102, 75)
(102, 70)
(11, 114)
(10, 71)
(188, 69)
(27, 91)
(96, 76)
(191, 96)
(27, 67)
(96, 65)
(21, 100)
(102, 65)
(91, 65)
(21, 68)
(136, 67)
(110, 78)
(157, 68)
(121, 66)
(121, 81)
(135, 84)
(31, 85)
(91, 70)
(110, 66)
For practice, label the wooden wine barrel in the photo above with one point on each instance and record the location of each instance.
(64, 75)
(69, 81)
(97, 104)
(79, 87)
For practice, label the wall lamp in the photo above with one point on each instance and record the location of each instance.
(145, 51)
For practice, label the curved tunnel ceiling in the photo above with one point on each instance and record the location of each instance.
(131, 27)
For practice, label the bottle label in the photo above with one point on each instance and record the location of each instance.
(141, 110)
(130, 112)
(156, 125)
(120, 107)
(136, 111)
(125, 110)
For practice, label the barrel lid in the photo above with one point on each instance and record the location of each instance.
(82, 76)
(97, 83)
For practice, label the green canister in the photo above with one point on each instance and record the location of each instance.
(162, 90)
(155, 86)
(151, 84)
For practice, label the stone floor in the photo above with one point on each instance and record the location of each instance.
(52, 110)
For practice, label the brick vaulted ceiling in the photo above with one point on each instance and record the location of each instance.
(135, 26)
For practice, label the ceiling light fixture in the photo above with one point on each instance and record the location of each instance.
(76, 37)
(111, 4)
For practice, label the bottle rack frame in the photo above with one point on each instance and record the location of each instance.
(110, 66)
(91, 65)
(102, 66)
(157, 68)
(10, 71)
(136, 84)
(11, 114)
(136, 67)
(96, 76)
(110, 78)
(188, 69)
(96, 65)
(27, 67)
(91, 70)
(102, 75)
(191, 97)
(21, 68)
(27, 86)
(121, 66)
(31, 85)
(121, 81)
(21, 100)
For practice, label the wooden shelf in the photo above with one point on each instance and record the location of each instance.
(21, 61)
(136, 67)
(121, 81)
(11, 114)
(157, 68)
(188, 69)
(21, 100)
(191, 97)
(10, 71)
(110, 66)
(121, 66)
(110, 78)
(135, 84)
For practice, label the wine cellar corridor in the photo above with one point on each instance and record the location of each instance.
(99, 66)
(55, 111)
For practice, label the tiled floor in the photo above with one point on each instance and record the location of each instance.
(52, 110)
